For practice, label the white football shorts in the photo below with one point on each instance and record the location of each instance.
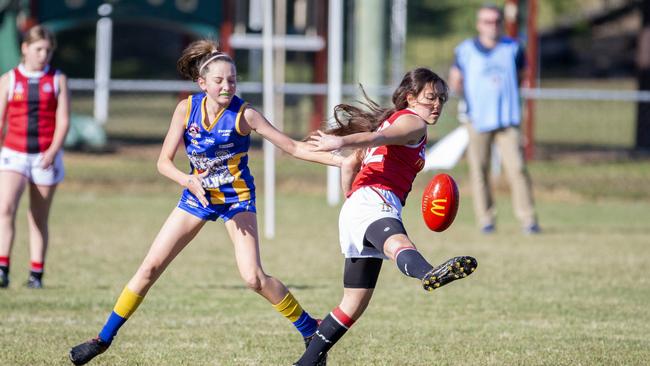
(29, 165)
(365, 206)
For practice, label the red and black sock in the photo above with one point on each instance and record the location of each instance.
(4, 264)
(330, 330)
(36, 270)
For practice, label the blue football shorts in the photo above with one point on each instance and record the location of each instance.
(224, 211)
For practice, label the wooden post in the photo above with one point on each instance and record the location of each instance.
(643, 77)
(531, 79)
(227, 27)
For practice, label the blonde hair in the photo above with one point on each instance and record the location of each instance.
(196, 58)
(37, 33)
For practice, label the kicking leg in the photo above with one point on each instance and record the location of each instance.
(389, 236)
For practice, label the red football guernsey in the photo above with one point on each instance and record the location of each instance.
(31, 109)
(391, 167)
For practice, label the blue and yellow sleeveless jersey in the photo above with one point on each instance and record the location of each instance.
(220, 148)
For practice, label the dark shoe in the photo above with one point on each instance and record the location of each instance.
(533, 229)
(322, 361)
(34, 282)
(488, 229)
(83, 353)
(452, 270)
(4, 278)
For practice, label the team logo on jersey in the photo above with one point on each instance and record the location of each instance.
(419, 164)
(19, 91)
(219, 174)
(385, 207)
(47, 88)
(195, 142)
(194, 131)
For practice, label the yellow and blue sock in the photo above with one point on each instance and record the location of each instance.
(124, 307)
(291, 309)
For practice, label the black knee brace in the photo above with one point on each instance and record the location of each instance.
(361, 272)
(379, 231)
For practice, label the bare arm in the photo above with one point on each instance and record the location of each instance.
(349, 169)
(255, 121)
(456, 81)
(4, 93)
(406, 130)
(166, 165)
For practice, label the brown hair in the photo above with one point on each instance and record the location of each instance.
(350, 119)
(196, 57)
(37, 33)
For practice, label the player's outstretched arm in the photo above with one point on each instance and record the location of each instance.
(166, 165)
(300, 150)
(406, 130)
(349, 168)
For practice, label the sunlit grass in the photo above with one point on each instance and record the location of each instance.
(574, 295)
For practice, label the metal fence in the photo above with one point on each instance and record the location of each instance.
(564, 118)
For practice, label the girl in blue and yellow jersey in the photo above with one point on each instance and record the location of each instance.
(215, 127)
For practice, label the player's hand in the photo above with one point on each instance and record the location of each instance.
(324, 142)
(47, 159)
(194, 184)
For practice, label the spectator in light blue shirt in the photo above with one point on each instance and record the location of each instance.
(486, 73)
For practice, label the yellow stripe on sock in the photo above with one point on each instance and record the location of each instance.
(289, 308)
(127, 303)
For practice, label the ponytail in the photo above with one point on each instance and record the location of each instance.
(196, 58)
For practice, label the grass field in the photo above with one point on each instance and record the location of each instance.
(576, 295)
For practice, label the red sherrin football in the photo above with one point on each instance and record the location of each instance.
(440, 202)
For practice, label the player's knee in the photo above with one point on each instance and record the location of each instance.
(7, 210)
(253, 281)
(379, 232)
(149, 271)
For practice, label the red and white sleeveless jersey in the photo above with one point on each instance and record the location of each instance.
(31, 109)
(391, 167)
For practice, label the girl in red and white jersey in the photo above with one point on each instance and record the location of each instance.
(370, 222)
(34, 119)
